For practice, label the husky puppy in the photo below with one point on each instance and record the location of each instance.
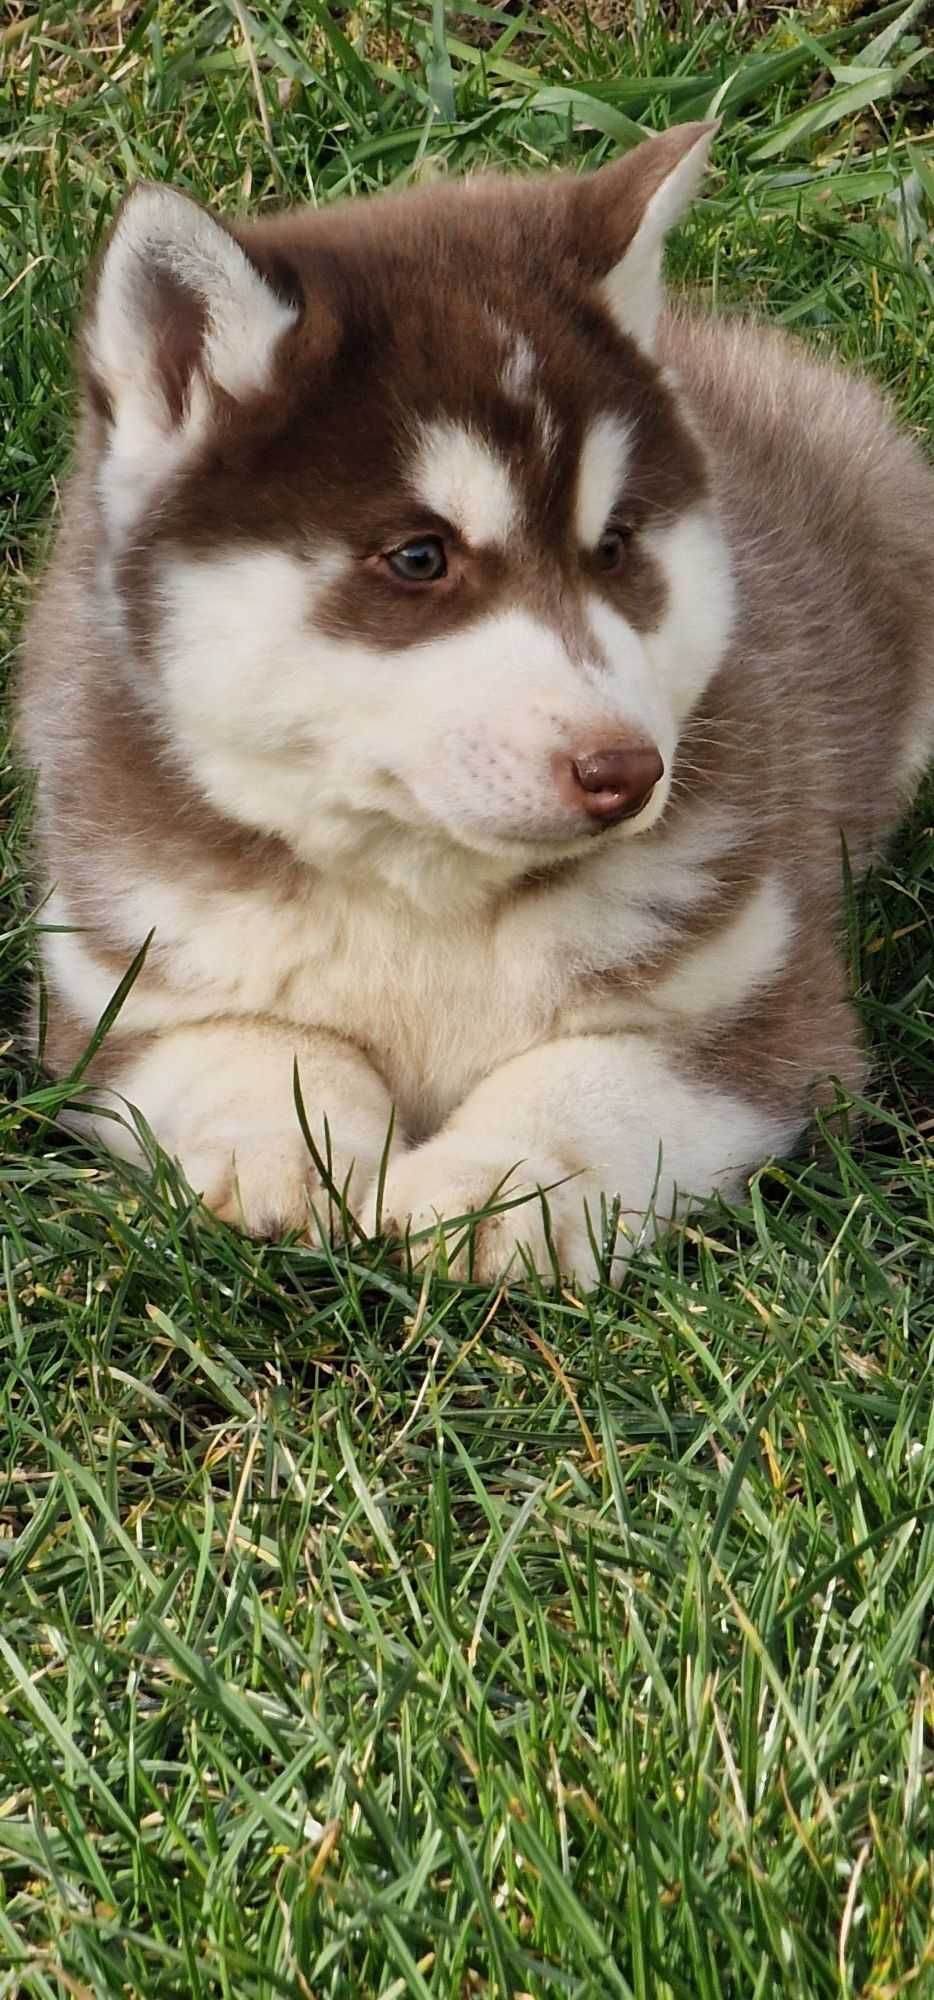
(467, 669)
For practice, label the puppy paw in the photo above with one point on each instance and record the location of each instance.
(453, 1176)
(220, 1101)
(265, 1182)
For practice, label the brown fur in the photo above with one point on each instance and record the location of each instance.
(832, 520)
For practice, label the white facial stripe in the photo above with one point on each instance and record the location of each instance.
(519, 370)
(547, 426)
(604, 458)
(518, 379)
(459, 476)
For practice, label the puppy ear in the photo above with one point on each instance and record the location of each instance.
(177, 306)
(628, 209)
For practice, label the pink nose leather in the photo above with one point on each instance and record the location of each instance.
(615, 784)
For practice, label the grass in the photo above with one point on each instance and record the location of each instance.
(367, 1638)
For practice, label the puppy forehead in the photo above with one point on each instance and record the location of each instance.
(485, 411)
(466, 478)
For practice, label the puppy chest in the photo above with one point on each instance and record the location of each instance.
(435, 1019)
(436, 1006)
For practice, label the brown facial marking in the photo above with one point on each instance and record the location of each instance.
(415, 297)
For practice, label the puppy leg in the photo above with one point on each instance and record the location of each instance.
(582, 1117)
(219, 1098)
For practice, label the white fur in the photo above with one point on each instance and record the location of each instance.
(602, 1115)
(549, 430)
(439, 998)
(244, 322)
(740, 957)
(605, 455)
(399, 763)
(404, 764)
(440, 1002)
(518, 371)
(517, 380)
(689, 643)
(71, 966)
(460, 477)
(221, 1100)
(467, 1026)
(633, 289)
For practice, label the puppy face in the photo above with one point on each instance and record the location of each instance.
(411, 539)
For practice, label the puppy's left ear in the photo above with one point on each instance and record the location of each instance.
(624, 213)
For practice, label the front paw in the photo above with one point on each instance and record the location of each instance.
(264, 1180)
(221, 1101)
(428, 1191)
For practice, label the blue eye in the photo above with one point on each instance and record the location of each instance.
(423, 561)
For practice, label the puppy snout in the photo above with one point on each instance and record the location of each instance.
(612, 783)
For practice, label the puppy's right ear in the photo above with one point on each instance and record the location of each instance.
(177, 306)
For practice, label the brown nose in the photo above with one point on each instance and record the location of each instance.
(615, 784)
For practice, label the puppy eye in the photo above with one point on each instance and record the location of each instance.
(611, 548)
(423, 561)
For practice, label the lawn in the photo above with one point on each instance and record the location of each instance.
(362, 1636)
